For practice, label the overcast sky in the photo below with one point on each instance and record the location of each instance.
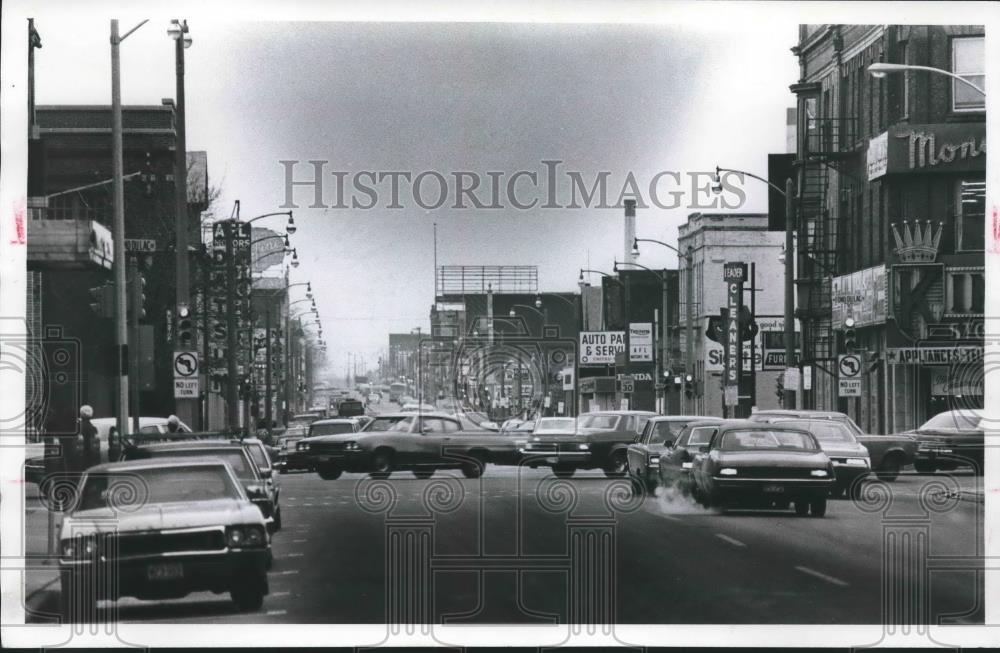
(446, 97)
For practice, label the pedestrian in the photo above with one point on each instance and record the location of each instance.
(88, 442)
(173, 424)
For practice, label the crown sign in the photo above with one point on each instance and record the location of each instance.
(917, 245)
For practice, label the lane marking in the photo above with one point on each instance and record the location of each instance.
(299, 541)
(275, 613)
(286, 572)
(731, 540)
(306, 504)
(822, 576)
(279, 593)
(294, 555)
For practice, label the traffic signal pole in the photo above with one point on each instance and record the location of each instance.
(232, 382)
(789, 398)
(118, 208)
(135, 301)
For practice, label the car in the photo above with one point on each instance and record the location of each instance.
(762, 465)
(657, 437)
(949, 440)
(414, 407)
(889, 453)
(384, 421)
(350, 407)
(189, 527)
(261, 455)
(849, 457)
(419, 443)
(675, 462)
(286, 445)
(599, 441)
(234, 453)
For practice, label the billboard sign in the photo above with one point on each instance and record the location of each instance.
(861, 295)
(640, 341)
(600, 347)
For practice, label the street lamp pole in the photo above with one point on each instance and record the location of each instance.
(880, 70)
(659, 360)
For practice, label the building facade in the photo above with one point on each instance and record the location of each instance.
(891, 219)
(710, 240)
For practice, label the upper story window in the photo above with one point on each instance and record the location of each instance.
(968, 60)
(970, 216)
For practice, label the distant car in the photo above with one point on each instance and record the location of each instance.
(761, 465)
(414, 407)
(599, 441)
(949, 440)
(889, 453)
(849, 457)
(234, 453)
(656, 438)
(286, 445)
(677, 459)
(191, 528)
(350, 408)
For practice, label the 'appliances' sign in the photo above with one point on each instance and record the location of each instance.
(936, 148)
(600, 347)
(861, 295)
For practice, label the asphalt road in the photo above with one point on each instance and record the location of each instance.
(509, 548)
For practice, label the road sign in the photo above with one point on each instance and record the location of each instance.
(186, 388)
(849, 375)
(628, 387)
(185, 364)
(140, 245)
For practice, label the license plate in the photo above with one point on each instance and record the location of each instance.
(165, 571)
(552, 460)
(772, 489)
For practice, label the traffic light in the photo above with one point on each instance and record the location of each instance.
(136, 286)
(102, 300)
(850, 335)
(185, 327)
(748, 325)
(715, 331)
(689, 385)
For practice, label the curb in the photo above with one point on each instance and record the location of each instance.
(35, 600)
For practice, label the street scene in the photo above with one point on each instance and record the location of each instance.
(499, 323)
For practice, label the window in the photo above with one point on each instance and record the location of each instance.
(968, 60)
(970, 215)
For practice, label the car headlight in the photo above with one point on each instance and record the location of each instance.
(302, 446)
(819, 472)
(654, 460)
(352, 446)
(857, 461)
(727, 471)
(80, 546)
(583, 447)
(687, 465)
(243, 536)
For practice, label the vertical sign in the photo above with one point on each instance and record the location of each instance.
(734, 274)
(640, 341)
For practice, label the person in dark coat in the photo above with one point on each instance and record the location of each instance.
(89, 449)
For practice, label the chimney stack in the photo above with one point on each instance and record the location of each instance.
(629, 230)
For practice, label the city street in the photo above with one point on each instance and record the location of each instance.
(672, 561)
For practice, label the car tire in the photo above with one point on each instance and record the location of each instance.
(564, 471)
(817, 508)
(923, 467)
(423, 473)
(329, 472)
(889, 469)
(801, 508)
(618, 466)
(381, 464)
(473, 470)
(650, 485)
(248, 598)
(277, 519)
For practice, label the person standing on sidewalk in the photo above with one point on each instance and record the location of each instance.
(89, 449)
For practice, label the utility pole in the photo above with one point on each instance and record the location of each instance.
(689, 326)
(658, 354)
(118, 207)
(232, 382)
(267, 367)
(789, 399)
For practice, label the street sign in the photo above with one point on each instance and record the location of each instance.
(186, 388)
(849, 375)
(140, 245)
(732, 395)
(733, 274)
(640, 341)
(600, 347)
(185, 364)
(628, 387)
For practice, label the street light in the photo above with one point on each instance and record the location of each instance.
(260, 240)
(880, 70)
(290, 227)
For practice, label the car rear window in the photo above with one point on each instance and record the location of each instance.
(236, 457)
(156, 485)
(757, 439)
(259, 457)
(599, 421)
(330, 429)
(826, 430)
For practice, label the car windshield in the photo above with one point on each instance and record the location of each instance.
(403, 425)
(235, 456)
(137, 487)
(331, 429)
(665, 430)
(700, 435)
(825, 430)
(525, 426)
(557, 424)
(954, 420)
(599, 421)
(757, 439)
(381, 423)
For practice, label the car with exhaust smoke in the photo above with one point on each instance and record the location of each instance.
(162, 528)
(760, 465)
(675, 462)
(657, 437)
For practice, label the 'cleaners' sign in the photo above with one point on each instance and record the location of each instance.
(600, 347)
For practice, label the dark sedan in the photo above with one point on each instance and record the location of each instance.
(757, 465)
(949, 440)
(673, 466)
(655, 441)
(600, 441)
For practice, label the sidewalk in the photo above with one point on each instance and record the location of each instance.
(41, 575)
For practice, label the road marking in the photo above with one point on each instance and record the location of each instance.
(287, 572)
(306, 504)
(274, 613)
(279, 593)
(299, 541)
(327, 503)
(731, 540)
(293, 555)
(829, 579)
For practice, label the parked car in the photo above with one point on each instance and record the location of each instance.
(674, 464)
(656, 438)
(756, 464)
(949, 440)
(419, 443)
(599, 441)
(192, 528)
(889, 454)
(849, 457)
(234, 453)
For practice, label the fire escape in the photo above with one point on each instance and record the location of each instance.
(827, 143)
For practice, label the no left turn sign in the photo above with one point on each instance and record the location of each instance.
(185, 364)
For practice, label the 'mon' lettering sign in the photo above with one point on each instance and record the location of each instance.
(600, 347)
